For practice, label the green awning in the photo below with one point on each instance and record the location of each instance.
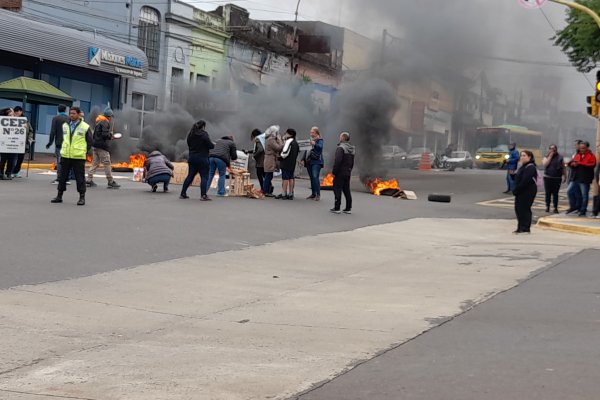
(33, 91)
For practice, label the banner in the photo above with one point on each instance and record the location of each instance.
(241, 162)
(13, 134)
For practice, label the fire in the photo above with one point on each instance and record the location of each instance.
(328, 180)
(89, 158)
(135, 161)
(378, 185)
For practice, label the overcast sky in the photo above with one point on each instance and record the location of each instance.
(531, 41)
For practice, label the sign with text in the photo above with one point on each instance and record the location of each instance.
(13, 134)
(241, 162)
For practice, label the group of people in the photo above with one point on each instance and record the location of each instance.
(10, 163)
(523, 180)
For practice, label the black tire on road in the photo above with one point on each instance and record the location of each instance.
(439, 198)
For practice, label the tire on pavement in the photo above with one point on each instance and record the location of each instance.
(439, 198)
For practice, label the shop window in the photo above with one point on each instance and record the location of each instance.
(149, 35)
(145, 107)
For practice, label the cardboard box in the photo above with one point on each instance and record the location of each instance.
(180, 173)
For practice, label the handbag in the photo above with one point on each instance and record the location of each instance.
(313, 155)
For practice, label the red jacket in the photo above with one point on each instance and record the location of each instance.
(583, 167)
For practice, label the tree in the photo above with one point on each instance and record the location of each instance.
(580, 39)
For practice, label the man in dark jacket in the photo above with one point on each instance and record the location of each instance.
(289, 159)
(56, 136)
(199, 144)
(220, 159)
(16, 172)
(342, 172)
(258, 154)
(583, 165)
(101, 149)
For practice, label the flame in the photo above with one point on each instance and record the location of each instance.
(135, 161)
(89, 158)
(327, 180)
(378, 185)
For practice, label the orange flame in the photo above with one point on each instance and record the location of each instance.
(135, 161)
(378, 185)
(327, 180)
(89, 158)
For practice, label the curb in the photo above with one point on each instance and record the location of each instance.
(551, 223)
(39, 166)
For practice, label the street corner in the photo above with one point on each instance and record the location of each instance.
(573, 224)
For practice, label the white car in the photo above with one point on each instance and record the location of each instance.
(393, 155)
(459, 159)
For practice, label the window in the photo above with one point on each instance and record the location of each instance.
(149, 35)
(202, 79)
(145, 107)
(176, 85)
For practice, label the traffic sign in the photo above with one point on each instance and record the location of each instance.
(532, 4)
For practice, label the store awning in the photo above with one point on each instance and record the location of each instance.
(33, 91)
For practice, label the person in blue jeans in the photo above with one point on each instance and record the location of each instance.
(314, 163)
(220, 159)
(582, 166)
(199, 144)
(158, 169)
(512, 163)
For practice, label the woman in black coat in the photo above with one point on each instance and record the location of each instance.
(525, 191)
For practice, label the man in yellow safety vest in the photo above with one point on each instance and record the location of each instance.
(77, 141)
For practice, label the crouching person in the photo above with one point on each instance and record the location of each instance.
(158, 169)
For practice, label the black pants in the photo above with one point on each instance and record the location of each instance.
(78, 167)
(523, 203)
(7, 163)
(342, 184)
(197, 164)
(596, 206)
(260, 174)
(552, 187)
(19, 163)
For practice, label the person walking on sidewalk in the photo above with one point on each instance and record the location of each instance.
(77, 142)
(342, 172)
(525, 191)
(512, 163)
(7, 160)
(273, 147)
(101, 149)
(56, 136)
(583, 165)
(16, 172)
(220, 159)
(200, 145)
(314, 163)
(158, 169)
(554, 174)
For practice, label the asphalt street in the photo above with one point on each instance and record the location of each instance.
(537, 341)
(127, 227)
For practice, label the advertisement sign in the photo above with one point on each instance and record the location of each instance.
(13, 134)
(124, 65)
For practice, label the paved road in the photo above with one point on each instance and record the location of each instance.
(537, 341)
(129, 227)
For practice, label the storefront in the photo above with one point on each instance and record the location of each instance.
(92, 69)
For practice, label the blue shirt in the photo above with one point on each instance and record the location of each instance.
(513, 159)
(73, 125)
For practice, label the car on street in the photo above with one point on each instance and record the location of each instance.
(413, 159)
(394, 156)
(459, 159)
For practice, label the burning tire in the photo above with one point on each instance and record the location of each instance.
(122, 169)
(439, 198)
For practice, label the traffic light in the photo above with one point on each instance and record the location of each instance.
(592, 109)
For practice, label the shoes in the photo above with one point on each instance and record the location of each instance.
(311, 197)
(68, 182)
(184, 196)
(570, 211)
(335, 211)
(166, 190)
(54, 182)
(222, 195)
(347, 211)
(547, 209)
(555, 210)
(506, 192)
(16, 176)
(81, 201)
(7, 177)
(113, 185)
(518, 232)
(317, 198)
(90, 184)
(288, 197)
(280, 196)
(205, 198)
(154, 188)
(581, 214)
(269, 195)
(57, 199)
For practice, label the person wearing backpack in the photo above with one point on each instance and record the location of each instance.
(101, 150)
(525, 190)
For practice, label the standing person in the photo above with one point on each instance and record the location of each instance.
(342, 172)
(525, 191)
(220, 159)
(289, 159)
(583, 164)
(573, 192)
(512, 163)
(273, 147)
(7, 160)
(158, 169)
(554, 174)
(16, 172)
(258, 138)
(101, 149)
(77, 141)
(56, 136)
(314, 163)
(596, 199)
(200, 145)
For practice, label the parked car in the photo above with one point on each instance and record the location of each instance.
(394, 156)
(413, 159)
(460, 159)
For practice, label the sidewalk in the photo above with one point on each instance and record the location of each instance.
(571, 223)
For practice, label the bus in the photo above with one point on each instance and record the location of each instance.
(492, 144)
